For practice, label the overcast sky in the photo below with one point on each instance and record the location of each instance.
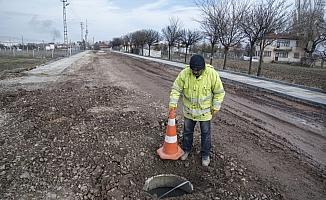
(38, 20)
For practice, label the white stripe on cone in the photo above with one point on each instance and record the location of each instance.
(171, 122)
(171, 139)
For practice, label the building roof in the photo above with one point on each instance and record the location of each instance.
(281, 36)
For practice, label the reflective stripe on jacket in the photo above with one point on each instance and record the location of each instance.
(200, 95)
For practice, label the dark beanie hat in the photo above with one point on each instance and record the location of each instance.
(197, 62)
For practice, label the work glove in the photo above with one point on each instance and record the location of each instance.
(214, 111)
(172, 112)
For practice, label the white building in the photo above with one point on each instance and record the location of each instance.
(9, 44)
(284, 48)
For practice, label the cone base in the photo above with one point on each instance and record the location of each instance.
(165, 156)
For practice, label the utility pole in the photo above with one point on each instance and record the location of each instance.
(65, 32)
(81, 31)
(43, 56)
(82, 34)
(23, 43)
(93, 43)
(86, 34)
(70, 48)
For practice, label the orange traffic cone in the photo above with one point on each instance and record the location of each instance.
(170, 149)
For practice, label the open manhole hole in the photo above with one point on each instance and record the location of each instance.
(167, 185)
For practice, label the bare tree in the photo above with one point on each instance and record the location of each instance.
(139, 38)
(323, 58)
(152, 37)
(275, 18)
(126, 42)
(251, 30)
(188, 38)
(171, 34)
(227, 17)
(258, 22)
(116, 42)
(210, 32)
(132, 42)
(207, 23)
(309, 24)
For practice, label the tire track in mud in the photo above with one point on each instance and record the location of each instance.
(276, 140)
(152, 71)
(271, 156)
(315, 131)
(307, 134)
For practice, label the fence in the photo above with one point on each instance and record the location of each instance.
(177, 56)
(37, 53)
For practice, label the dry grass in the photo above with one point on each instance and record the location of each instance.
(10, 63)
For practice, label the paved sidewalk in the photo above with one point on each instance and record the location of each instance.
(45, 73)
(298, 93)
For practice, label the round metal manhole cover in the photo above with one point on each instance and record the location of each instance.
(167, 185)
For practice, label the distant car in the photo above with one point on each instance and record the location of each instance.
(246, 58)
(254, 58)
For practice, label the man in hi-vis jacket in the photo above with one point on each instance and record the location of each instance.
(203, 94)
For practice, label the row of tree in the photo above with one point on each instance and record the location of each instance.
(231, 22)
(172, 34)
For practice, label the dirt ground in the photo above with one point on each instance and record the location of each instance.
(93, 132)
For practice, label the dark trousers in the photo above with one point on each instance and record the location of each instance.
(188, 132)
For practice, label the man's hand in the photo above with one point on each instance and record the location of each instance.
(172, 112)
(214, 111)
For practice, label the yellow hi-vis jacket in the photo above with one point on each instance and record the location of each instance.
(200, 95)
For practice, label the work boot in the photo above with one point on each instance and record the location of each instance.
(185, 156)
(205, 161)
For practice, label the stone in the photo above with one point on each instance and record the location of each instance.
(25, 175)
(83, 188)
(208, 190)
(50, 195)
